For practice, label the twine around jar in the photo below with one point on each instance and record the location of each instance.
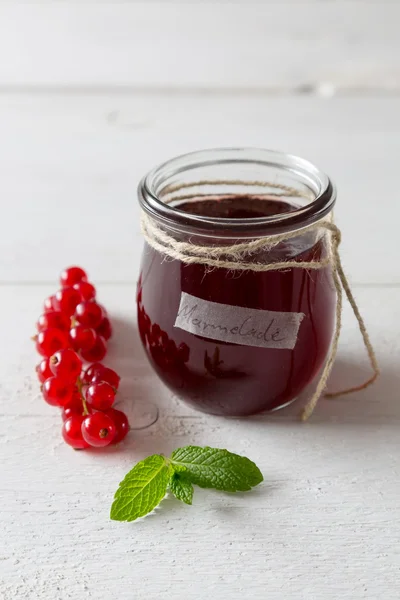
(236, 257)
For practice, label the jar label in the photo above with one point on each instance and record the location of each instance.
(238, 325)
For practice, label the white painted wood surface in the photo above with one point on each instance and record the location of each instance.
(91, 96)
(214, 44)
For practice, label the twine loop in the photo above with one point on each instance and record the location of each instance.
(239, 257)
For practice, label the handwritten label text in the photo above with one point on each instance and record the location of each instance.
(238, 325)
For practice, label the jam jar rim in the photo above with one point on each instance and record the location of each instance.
(296, 219)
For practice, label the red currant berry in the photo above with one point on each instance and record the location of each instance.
(66, 364)
(91, 372)
(86, 290)
(72, 432)
(171, 351)
(82, 338)
(43, 370)
(53, 319)
(74, 407)
(183, 352)
(51, 340)
(97, 352)
(100, 396)
(105, 329)
(155, 331)
(89, 314)
(105, 313)
(71, 276)
(57, 392)
(121, 423)
(98, 429)
(49, 304)
(108, 375)
(66, 300)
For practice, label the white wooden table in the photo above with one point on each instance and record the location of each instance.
(91, 96)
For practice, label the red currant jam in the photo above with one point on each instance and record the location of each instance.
(225, 378)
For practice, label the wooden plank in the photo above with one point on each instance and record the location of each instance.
(71, 164)
(325, 523)
(270, 45)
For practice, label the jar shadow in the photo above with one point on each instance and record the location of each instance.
(127, 357)
(377, 404)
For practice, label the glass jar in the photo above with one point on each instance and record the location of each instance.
(237, 342)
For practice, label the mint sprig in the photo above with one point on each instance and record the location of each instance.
(147, 483)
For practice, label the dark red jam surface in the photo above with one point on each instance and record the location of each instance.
(224, 378)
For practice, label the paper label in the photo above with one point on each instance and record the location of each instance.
(238, 325)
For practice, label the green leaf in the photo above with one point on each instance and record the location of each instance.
(181, 488)
(216, 468)
(142, 489)
(146, 484)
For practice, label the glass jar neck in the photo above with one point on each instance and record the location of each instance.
(236, 173)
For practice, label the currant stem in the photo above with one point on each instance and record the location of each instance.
(79, 386)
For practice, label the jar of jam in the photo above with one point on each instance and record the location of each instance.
(236, 341)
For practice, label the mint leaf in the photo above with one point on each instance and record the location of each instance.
(146, 484)
(181, 488)
(142, 489)
(216, 468)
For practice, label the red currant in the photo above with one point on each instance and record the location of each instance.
(92, 371)
(183, 352)
(100, 396)
(105, 313)
(171, 351)
(66, 364)
(53, 319)
(57, 392)
(49, 304)
(43, 370)
(108, 375)
(105, 329)
(121, 423)
(66, 300)
(82, 338)
(86, 290)
(155, 331)
(89, 314)
(72, 432)
(98, 429)
(74, 407)
(51, 340)
(71, 276)
(97, 352)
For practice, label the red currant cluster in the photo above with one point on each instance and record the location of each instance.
(74, 329)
